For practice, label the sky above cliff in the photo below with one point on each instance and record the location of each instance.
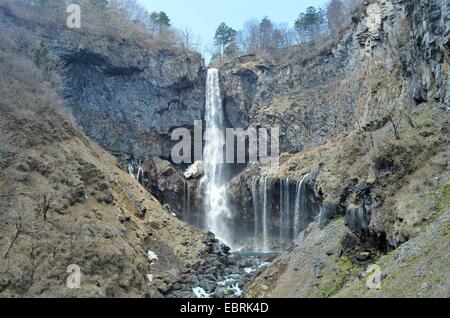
(203, 16)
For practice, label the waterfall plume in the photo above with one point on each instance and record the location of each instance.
(215, 200)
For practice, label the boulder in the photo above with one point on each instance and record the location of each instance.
(195, 170)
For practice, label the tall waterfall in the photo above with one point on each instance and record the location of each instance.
(215, 201)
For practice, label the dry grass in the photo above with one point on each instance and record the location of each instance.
(107, 23)
(31, 111)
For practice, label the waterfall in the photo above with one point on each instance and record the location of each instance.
(299, 205)
(215, 201)
(292, 208)
(288, 207)
(282, 183)
(265, 215)
(285, 206)
(262, 212)
(139, 176)
(187, 202)
(131, 170)
(255, 213)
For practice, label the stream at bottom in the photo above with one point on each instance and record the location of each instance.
(242, 269)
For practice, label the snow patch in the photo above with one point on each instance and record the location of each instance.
(152, 256)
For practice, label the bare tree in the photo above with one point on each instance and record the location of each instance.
(47, 201)
(394, 119)
(189, 39)
(408, 117)
(18, 226)
(360, 128)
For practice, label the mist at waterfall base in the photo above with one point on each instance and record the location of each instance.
(282, 209)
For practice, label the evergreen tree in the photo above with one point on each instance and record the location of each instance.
(310, 24)
(163, 19)
(266, 33)
(224, 36)
(159, 21)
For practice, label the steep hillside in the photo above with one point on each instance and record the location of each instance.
(365, 123)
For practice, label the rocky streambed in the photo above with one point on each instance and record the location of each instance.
(221, 274)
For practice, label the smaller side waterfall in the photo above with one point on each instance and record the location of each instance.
(215, 199)
(300, 205)
(139, 175)
(266, 215)
(282, 216)
(187, 203)
(131, 170)
(262, 213)
(255, 212)
(292, 209)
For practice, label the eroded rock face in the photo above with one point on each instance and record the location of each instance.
(126, 95)
(402, 45)
(131, 104)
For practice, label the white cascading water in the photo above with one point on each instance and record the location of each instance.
(292, 209)
(131, 170)
(255, 213)
(282, 203)
(215, 201)
(266, 216)
(139, 176)
(187, 203)
(299, 205)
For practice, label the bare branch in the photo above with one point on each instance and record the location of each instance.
(46, 204)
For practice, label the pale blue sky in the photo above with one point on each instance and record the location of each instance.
(203, 16)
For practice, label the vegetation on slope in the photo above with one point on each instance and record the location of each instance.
(64, 201)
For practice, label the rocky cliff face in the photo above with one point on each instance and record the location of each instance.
(129, 98)
(394, 51)
(377, 103)
(126, 95)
